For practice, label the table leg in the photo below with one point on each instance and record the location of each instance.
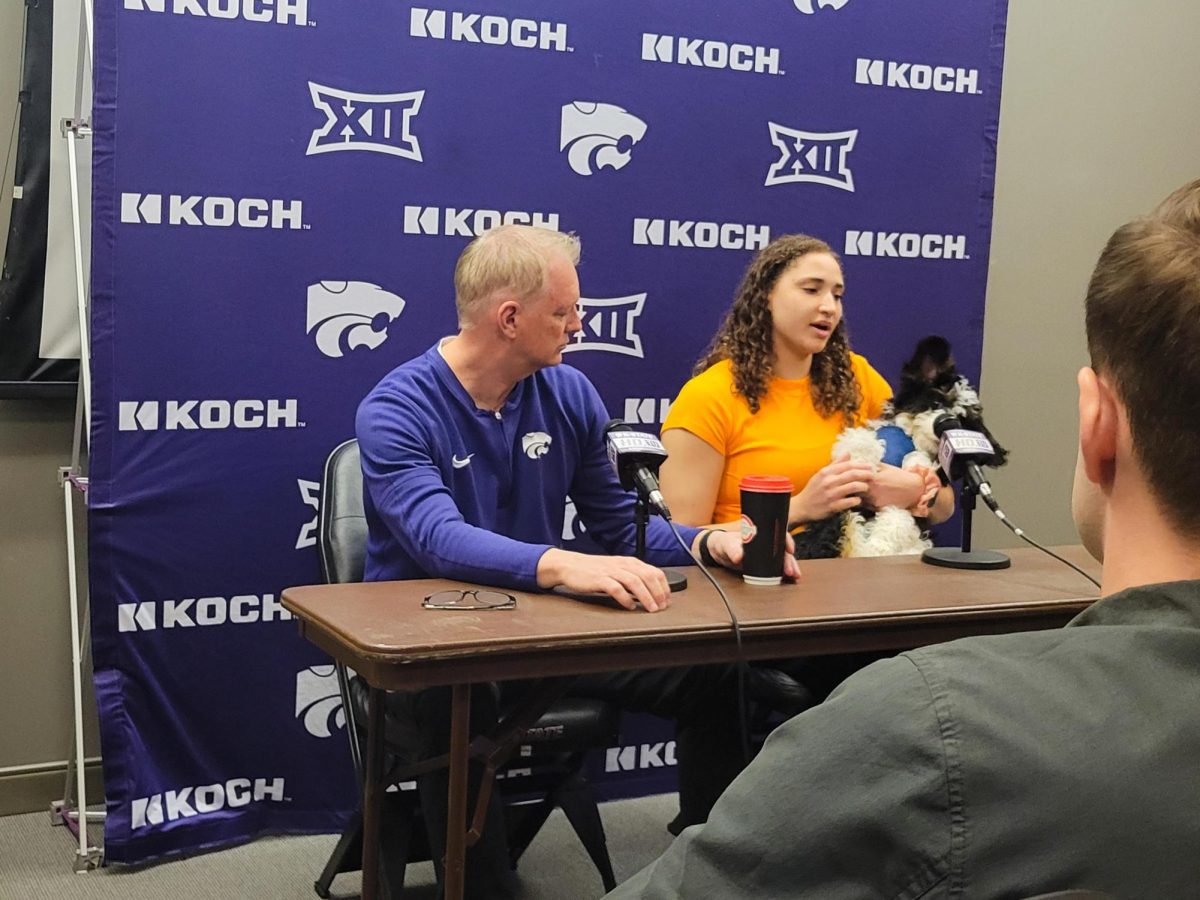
(372, 796)
(456, 819)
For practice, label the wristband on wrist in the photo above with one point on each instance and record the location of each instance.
(706, 556)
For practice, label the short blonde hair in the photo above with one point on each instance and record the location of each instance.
(511, 258)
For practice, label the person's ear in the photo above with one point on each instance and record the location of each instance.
(1098, 425)
(507, 313)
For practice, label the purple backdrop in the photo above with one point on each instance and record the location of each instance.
(281, 190)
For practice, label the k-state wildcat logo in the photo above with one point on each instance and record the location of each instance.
(379, 123)
(319, 701)
(808, 7)
(346, 315)
(598, 136)
(573, 527)
(536, 444)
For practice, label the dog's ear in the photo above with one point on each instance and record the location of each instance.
(930, 361)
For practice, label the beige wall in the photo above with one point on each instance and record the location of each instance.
(35, 439)
(1098, 121)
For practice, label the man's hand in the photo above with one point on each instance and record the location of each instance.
(627, 580)
(837, 487)
(728, 550)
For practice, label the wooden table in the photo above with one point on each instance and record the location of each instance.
(838, 606)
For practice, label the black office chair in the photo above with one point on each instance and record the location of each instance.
(557, 743)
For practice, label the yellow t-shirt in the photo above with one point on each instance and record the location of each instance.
(787, 436)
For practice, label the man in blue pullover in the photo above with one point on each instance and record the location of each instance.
(469, 452)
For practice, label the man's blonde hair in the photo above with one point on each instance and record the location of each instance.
(510, 258)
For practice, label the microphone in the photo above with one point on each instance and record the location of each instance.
(636, 456)
(960, 454)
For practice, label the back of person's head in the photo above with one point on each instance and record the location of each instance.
(1143, 331)
(1181, 207)
(512, 259)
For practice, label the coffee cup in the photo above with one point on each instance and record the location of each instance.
(765, 501)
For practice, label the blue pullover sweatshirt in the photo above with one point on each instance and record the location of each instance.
(453, 491)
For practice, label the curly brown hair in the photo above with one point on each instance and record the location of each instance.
(746, 337)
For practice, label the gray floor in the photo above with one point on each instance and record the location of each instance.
(36, 863)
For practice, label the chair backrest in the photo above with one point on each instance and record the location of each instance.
(342, 525)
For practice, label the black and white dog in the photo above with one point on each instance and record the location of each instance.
(930, 386)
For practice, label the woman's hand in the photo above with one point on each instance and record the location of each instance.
(837, 487)
(933, 485)
(904, 488)
(728, 550)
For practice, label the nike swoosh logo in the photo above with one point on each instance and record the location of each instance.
(460, 463)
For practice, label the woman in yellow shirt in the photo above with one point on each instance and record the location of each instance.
(775, 389)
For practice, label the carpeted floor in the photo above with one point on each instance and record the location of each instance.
(36, 863)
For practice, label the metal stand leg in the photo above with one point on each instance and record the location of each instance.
(87, 857)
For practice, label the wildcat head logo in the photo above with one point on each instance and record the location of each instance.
(536, 444)
(349, 314)
(808, 7)
(319, 701)
(598, 136)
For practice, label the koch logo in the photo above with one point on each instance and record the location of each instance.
(476, 28)
(454, 222)
(598, 136)
(281, 12)
(346, 315)
(217, 212)
(686, 51)
(808, 7)
(917, 77)
(906, 245)
(811, 156)
(646, 411)
(705, 235)
(199, 612)
(642, 756)
(319, 701)
(609, 325)
(310, 493)
(214, 415)
(196, 801)
(377, 123)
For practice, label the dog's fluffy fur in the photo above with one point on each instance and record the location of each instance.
(929, 387)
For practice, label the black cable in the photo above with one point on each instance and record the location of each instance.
(743, 666)
(995, 508)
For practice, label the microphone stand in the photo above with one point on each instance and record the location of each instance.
(965, 557)
(676, 580)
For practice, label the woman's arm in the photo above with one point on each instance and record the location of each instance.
(690, 479)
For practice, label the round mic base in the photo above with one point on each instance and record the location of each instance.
(953, 558)
(676, 580)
